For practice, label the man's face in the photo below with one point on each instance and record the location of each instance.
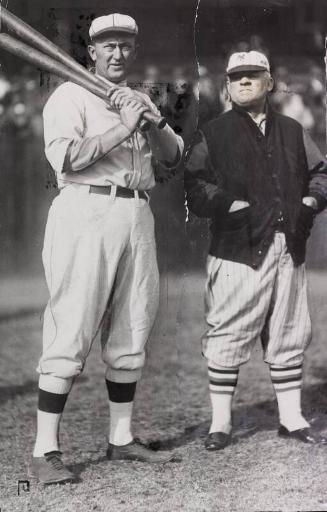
(249, 88)
(113, 55)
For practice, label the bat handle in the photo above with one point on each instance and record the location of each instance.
(159, 122)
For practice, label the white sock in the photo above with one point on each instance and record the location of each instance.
(287, 383)
(120, 423)
(47, 438)
(290, 413)
(221, 413)
(222, 383)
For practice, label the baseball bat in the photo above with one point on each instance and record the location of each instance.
(40, 42)
(46, 63)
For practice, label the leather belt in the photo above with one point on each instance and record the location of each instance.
(128, 193)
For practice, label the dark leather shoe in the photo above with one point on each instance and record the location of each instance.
(306, 435)
(50, 469)
(217, 441)
(135, 450)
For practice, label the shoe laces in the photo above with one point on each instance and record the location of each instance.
(55, 460)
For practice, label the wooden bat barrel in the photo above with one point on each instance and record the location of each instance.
(46, 63)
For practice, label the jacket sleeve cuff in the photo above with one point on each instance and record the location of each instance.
(321, 201)
(222, 204)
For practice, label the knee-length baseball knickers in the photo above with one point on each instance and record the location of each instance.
(100, 264)
(244, 305)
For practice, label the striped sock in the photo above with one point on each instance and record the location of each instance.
(287, 382)
(222, 384)
(53, 393)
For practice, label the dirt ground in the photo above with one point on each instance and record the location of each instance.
(258, 472)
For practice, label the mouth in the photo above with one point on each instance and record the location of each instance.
(116, 66)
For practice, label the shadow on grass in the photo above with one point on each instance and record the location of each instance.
(259, 417)
(249, 420)
(29, 387)
(78, 469)
(11, 392)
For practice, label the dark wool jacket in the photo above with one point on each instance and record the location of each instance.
(230, 159)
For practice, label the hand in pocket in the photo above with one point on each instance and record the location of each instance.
(238, 205)
(305, 221)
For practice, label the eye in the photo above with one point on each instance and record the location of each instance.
(234, 78)
(126, 48)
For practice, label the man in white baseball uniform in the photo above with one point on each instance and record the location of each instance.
(261, 180)
(99, 250)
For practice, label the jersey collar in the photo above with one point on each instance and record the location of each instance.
(123, 83)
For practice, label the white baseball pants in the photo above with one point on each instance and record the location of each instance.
(100, 264)
(244, 305)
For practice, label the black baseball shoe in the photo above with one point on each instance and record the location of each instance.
(135, 450)
(306, 435)
(50, 469)
(217, 441)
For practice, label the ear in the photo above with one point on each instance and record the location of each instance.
(227, 82)
(271, 83)
(92, 52)
(137, 46)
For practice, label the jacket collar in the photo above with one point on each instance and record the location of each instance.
(269, 116)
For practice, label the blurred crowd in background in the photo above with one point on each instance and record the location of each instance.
(299, 93)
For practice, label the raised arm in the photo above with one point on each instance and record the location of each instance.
(66, 147)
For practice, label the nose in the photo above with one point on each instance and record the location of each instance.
(117, 52)
(245, 80)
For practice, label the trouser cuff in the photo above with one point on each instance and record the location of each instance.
(123, 376)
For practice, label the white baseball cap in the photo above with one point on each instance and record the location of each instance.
(247, 61)
(113, 23)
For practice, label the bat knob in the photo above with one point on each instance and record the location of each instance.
(144, 125)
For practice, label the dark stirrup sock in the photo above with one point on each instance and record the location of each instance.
(121, 392)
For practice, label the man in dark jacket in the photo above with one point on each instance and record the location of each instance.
(261, 180)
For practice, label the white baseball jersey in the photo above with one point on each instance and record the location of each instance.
(74, 120)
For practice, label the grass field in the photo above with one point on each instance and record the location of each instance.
(258, 472)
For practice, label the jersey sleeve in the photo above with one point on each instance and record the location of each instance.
(66, 147)
(166, 137)
(63, 124)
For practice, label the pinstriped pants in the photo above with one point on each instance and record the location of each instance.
(243, 305)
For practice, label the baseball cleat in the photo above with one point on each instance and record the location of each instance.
(217, 441)
(306, 435)
(50, 469)
(135, 450)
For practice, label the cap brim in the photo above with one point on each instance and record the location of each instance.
(114, 29)
(237, 69)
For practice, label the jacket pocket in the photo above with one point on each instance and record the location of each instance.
(236, 220)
